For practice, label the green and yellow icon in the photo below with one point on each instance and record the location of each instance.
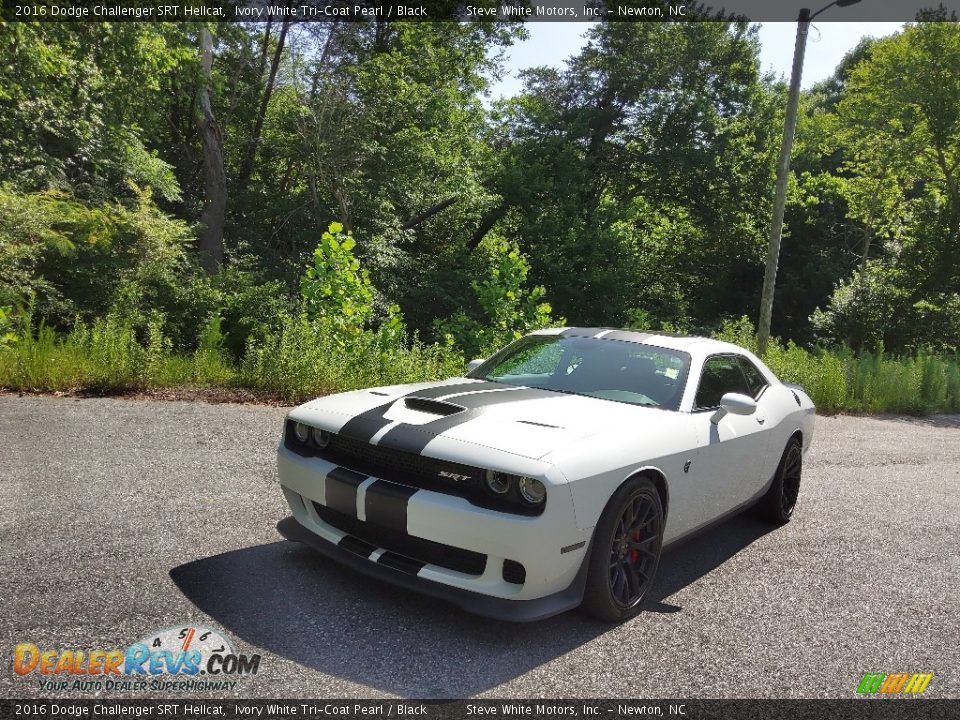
(894, 683)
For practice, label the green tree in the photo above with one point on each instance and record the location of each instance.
(641, 165)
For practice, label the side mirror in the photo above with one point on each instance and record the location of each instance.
(474, 364)
(736, 404)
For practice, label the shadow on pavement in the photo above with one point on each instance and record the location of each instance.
(937, 421)
(292, 602)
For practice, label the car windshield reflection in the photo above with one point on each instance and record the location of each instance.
(617, 370)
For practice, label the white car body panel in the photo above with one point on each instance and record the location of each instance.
(581, 448)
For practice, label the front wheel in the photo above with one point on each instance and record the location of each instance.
(625, 552)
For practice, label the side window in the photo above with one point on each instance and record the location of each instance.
(755, 379)
(721, 375)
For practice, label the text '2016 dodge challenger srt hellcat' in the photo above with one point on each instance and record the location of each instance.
(552, 475)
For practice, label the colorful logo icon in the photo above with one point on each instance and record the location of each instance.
(894, 683)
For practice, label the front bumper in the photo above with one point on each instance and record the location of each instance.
(550, 547)
(486, 605)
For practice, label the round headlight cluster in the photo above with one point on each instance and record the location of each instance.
(496, 482)
(321, 438)
(305, 434)
(302, 432)
(531, 491)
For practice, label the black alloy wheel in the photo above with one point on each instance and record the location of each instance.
(634, 550)
(625, 552)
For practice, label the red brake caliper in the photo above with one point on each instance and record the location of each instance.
(634, 553)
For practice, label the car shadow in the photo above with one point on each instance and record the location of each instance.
(295, 603)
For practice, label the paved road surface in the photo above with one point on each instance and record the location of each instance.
(118, 517)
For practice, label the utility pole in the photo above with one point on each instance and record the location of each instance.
(783, 173)
(780, 189)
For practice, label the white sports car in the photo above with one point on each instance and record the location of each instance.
(552, 475)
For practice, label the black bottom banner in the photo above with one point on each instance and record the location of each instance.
(867, 709)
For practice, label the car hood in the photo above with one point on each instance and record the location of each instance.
(527, 422)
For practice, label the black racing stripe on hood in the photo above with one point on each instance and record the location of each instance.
(414, 438)
(364, 426)
(503, 394)
(367, 424)
(452, 389)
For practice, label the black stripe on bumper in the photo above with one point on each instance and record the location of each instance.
(341, 490)
(385, 504)
(401, 563)
(356, 546)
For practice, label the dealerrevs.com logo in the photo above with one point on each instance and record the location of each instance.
(180, 658)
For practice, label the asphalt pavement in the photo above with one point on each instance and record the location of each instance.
(120, 517)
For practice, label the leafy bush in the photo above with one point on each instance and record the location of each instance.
(335, 289)
(506, 307)
(872, 309)
(7, 334)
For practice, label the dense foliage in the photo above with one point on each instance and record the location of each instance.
(381, 221)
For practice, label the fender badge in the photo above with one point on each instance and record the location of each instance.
(686, 466)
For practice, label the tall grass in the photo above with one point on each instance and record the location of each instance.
(304, 358)
(841, 380)
(308, 358)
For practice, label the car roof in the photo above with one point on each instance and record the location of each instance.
(692, 344)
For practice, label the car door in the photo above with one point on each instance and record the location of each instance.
(732, 451)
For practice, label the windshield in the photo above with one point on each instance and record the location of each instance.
(616, 370)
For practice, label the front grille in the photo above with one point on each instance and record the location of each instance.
(399, 466)
(433, 553)
(409, 468)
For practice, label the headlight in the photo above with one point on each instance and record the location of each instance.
(532, 491)
(497, 483)
(302, 432)
(321, 438)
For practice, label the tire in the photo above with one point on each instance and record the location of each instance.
(779, 502)
(625, 552)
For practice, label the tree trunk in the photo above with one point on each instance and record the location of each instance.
(429, 213)
(214, 177)
(250, 155)
(486, 225)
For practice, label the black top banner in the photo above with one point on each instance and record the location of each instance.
(472, 10)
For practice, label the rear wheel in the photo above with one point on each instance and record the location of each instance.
(625, 552)
(778, 504)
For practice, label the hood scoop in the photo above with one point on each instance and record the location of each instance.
(433, 407)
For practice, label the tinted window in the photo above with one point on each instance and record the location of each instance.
(721, 375)
(755, 380)
(607, 369)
